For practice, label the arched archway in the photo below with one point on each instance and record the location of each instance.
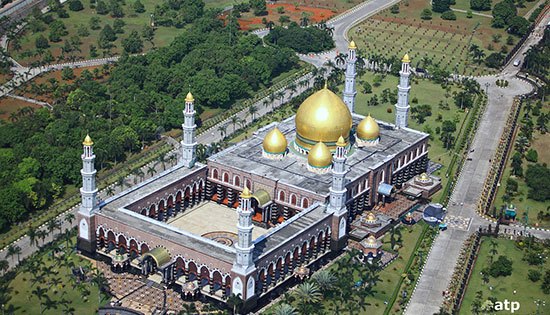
(122, 242)
(134, 249)
(215, 174)
(152, 211)
(204, 276)
(282, 195)
(111, 240)
(293, 199)
(192, 268)
(217, 281)
(305, 202)
(225, 177)
(144, 248)
(180, 267)
(237, 181)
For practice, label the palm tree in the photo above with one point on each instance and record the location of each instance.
(31, 232)
(222, 129)
(40, 294)
(284, 309)
(189, 309)
(4, 266)
(493, 251)
(281, 97)
(234, 120)
(252, 110)
(162, 160)
(69, 217)
(304, 19)
(324, 279)
(172, 158)
(99, 279)
(51, 225)
(12, 251)
(151, 171)
(234, 301)
(307, 294)
(340, 59)
(42, 235)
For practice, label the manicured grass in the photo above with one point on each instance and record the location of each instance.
(25, 302)
(134, 21)
(444, 42)
(503, 287)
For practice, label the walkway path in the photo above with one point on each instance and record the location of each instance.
(31, 100)
(441, 261)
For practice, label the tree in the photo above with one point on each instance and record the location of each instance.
(518, 25)
(252, 110)
(395, 9)
(325, 280)
(67, 74)
(106, 36)
(440, 6)
(235, 301)
(101, 7)
(493, 251)
(148, 34)
(534, 275)
(421, 112)
(76, 5)
(537, 178)
(41, 42)
(503, 12)
(4, 266)
(12, 251)
(494, 60)
(307, 294)
(118, 26)
(284, 309)
(516, 164)
(57, 30)
(133, 44)
(367, 88)
(502, 267)
(284, 19)
(448, 128)
(480, 5)
(31, 233)
(532, 155)
(223, 130)
(259, 7)
(545, 286)
(448, 15)
(69, 217)
(138, 7)
(95, 23)
(511, 186)
(116, 9)
(426, 14)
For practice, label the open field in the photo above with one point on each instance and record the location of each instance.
(442, 42)
(526, 292)
(58, 286)
(10, 105)
(134, 21)
(250, 21)
(465, 5)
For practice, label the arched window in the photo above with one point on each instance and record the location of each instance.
(382, 176)
(293, 199)
(305, 203)
(226, 177)
(215, 174)
(281, 195)
(366, 183)
(237, 181)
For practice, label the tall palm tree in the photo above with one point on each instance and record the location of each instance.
(4, 266)
(42, 235)
(252, 110)
(281, 97)
(69, 217)
(235, 301)
(12, 251)
(223, 130)
(340, 59)
(234, 121)
(324, 279)
(31, 232)
(162, 160)
(172, 158)
(51, 225)
(40, 294)
(151, 171)
(103, 285)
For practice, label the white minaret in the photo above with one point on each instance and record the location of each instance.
(188, 144)
(89, 190)
(349, 88)
(338, 189)
(402, 107)
(244, 246)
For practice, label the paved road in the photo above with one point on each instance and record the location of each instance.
(441, 261)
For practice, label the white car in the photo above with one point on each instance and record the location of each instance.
(517, 62)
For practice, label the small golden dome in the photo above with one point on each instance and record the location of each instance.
(246, 193)
(371, 217)
(274, 142)
(406, 58)
(322, 117)
(319, 156)
(371, 241)
(352, 45)
(424, 177)
(189, 97)
(341, 142)
(368, 129)
(88, 141)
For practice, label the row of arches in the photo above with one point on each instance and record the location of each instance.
(293, 200)
(234, 180)
(170, 206)
(302, 254)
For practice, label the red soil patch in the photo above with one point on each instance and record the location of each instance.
(249, 21)
(10, 105)
(43, 79)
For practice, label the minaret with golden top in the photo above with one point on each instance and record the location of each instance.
(402, 107)
(349, 88)
(89, 189)
(338, 189)
(188, 143)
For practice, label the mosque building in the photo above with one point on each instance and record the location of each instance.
(280, 203)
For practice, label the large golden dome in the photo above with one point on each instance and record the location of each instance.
(322, 117)
(368, 129)
(319, 156)
(274, 142)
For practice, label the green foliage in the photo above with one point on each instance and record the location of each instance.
(138, 7)
(448, 128)
(536, 58)
(517, 168)
(95, 23)
(367, 88)
(101, 7)
(57, 30)
(503, 12)
(41, 42)
(501, 267)
(469, 14)
(178, 13)
(106, 36)
(75, 5)
(133, 44)
(480, 5)
(259, 7)
(116, 9)
(532, 155)
(421, 112)
(440, 6)
(545, 286)
(537, 178)
(511, 186)
(395, 9)
(518, 25)
(118, 26)
(67, 73)
(534, 275)
(302, 40)
(448, 15)
(426, 14)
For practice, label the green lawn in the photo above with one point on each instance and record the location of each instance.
(503, 287)
(444, 42)
(134, 21)
(24, 301)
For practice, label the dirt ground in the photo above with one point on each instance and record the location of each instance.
(249, 21)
